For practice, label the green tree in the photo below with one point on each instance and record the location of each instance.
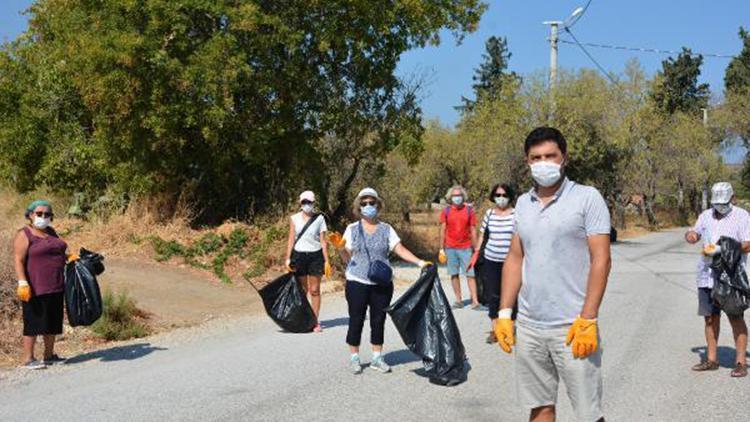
(676, 87)
(737, 77)
(491, 74)
(223, 103)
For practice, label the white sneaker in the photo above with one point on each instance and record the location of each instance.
(379, 364)
(355, 365)
(33, 365)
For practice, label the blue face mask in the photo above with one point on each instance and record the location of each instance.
(457, 200)
(369, 211)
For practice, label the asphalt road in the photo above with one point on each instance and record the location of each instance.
(248, 370)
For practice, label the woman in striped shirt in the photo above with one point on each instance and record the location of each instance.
(498, 221)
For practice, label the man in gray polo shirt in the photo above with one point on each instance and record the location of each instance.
(557, 269)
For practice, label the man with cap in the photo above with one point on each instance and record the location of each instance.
(722, 219)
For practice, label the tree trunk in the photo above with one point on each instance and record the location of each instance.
(338, 214)
(648, 204)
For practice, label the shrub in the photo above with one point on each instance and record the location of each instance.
(121, 319)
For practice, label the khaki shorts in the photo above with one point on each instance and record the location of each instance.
(541, 359)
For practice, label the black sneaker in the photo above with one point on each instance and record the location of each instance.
(53, 360)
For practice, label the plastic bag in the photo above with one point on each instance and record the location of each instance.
(423, 318)
(287, 305)
(83, 299)
(731, 290)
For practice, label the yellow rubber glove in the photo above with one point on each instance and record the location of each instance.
(583, 337)
(504, 331)
(442, 258)
(328, 271)
(23, 291)
(337, 240)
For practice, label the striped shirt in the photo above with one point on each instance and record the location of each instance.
(736, 225)
(501, 232)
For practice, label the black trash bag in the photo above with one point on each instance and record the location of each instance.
(478, 276)
(83, 299)
(287, 305)
(425, 322)
(92, 260)
(731, 291)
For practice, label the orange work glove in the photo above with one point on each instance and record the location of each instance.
(73, 257)
(328, 270)
(442, 258)
(337, 240)
(583, 337)
(23, 291)
(288, 265)
(505, 330)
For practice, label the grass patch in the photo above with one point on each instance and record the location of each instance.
(121, 319)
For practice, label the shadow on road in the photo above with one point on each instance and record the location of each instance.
(129, 352)
(400, 357)
(725, 354)
(336, 322)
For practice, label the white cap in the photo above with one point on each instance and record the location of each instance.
(721, 193)
(368, 192)
(307, 195)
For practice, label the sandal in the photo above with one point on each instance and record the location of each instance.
(739, 371)
(707, 365)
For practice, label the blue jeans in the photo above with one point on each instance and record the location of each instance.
(458, 260)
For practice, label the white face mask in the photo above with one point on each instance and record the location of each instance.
(501, 201)
(457, 200)
(722, 209)
(41, 223)
(307, 208)
(546, 173)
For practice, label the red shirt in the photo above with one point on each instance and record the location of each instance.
(459, 222)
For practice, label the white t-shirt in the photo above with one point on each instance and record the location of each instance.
(310, 240)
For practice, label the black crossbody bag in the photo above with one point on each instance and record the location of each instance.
(379, 272)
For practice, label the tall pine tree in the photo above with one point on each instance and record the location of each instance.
(491, 74)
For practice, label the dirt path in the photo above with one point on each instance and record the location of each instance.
(177, 297)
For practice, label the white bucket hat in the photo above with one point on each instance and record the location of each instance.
(307, 195)
(721, 193)
(368, 192)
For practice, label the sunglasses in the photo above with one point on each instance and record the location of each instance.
(366, 203)
(306, 202)
(43, 214)
(501, 195)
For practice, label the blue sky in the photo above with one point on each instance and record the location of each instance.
(702, 25)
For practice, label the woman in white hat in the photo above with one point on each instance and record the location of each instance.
(307, 254)
(368, 242)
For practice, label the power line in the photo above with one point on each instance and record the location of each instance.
(640, 49)
(586, 52)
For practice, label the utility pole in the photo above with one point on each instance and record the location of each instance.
(553, 27)
(704, 192)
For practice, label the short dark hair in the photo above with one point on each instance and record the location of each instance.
(508, 191)
(545, 134)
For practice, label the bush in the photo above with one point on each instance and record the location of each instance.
(121, 319)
